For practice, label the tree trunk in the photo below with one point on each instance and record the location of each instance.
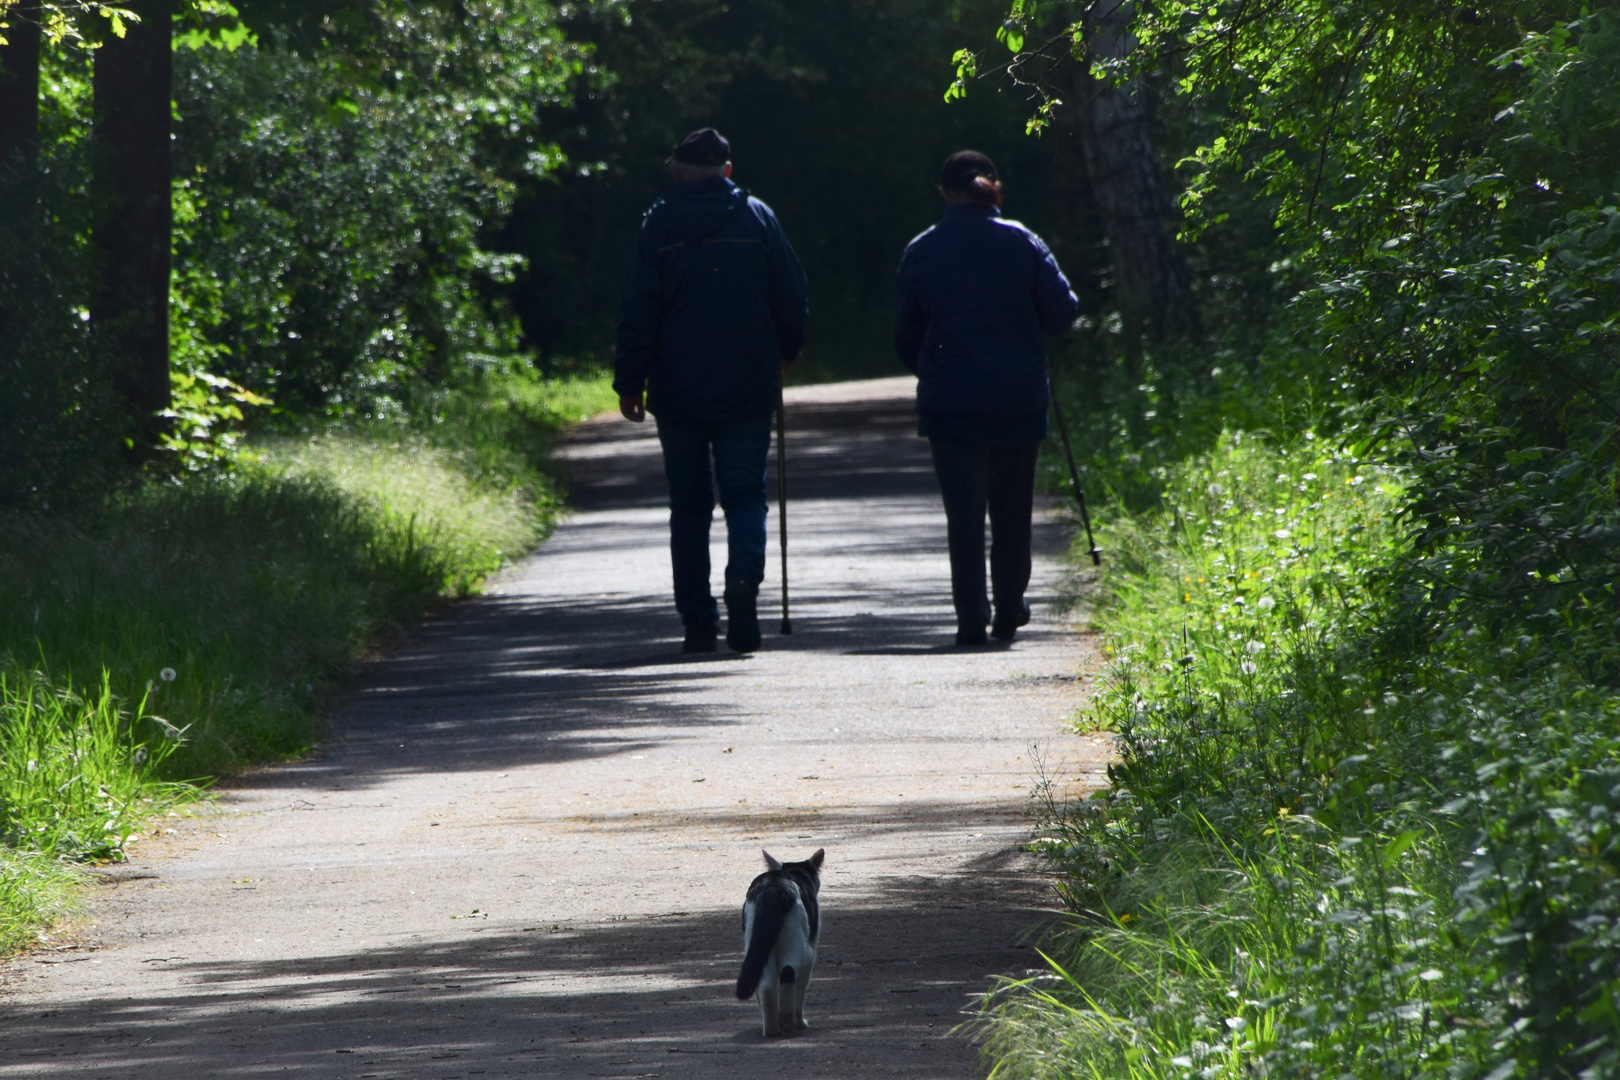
(19, 83)
(132, 89)
(1152, 280)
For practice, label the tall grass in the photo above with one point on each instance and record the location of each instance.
(78, 775)
(35, 891)
(1269, 886)
(194, 626)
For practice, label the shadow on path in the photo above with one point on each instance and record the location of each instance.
(646, 996)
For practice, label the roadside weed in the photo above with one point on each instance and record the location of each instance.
(77, 770)
(35, 891)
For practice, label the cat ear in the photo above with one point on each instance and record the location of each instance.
(815, 860)
(774, 864)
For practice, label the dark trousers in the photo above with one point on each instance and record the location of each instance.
(738, 452)
(1000, 478)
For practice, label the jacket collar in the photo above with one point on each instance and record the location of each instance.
(967, 209)
(703, 186)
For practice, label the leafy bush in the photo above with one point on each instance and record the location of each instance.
(332, 206)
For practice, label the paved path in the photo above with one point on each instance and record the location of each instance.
(524, 850)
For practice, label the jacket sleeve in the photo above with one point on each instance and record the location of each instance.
(910, 317)
(640, 306)
(789, 291)
(1055, 302)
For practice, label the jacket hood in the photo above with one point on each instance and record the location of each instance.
(700, 209)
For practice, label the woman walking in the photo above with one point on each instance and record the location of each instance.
(976, 293)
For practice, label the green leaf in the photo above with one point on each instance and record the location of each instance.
(1396, 847)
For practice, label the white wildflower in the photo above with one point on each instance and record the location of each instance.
(1254, 647)
(1248, 667)
(1265, 603)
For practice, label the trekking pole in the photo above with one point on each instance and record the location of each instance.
(781, 498)
(1074, 475)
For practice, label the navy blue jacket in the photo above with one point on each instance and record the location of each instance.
(976, 291)
(715, 302)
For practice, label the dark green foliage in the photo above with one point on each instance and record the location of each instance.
(1417, 798)
(333, 207)
(58, 430)
(836, 118)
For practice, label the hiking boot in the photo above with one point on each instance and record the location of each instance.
(970, 635)
(1007, 623)
(701, 638)
(742, 618)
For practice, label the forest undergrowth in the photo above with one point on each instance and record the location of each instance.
(1327, 845)
(1361, 604)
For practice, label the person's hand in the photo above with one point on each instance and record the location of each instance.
(782, 371)
(631, 407)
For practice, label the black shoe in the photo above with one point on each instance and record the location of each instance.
(742, 618)
(970, 635)
(700, 639)
(1006, 625)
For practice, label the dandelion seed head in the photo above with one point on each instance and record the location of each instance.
(168, 674)
(1265, 603)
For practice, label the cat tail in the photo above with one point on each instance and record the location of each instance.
(770, 915)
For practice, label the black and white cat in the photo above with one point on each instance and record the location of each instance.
(781, 921)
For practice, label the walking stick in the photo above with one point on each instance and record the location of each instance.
(781, 498)
(1074, 475)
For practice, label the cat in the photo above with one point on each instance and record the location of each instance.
(781, 922)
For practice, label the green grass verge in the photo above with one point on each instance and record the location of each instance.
(1263, 889)
(191, 627)
(35, 891)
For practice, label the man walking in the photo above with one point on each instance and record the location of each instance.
(713, 313)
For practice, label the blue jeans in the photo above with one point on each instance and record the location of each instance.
(739, 451)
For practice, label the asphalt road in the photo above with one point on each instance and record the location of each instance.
(524, 848)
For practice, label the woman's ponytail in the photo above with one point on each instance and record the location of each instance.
(970, 173)
(985, 191)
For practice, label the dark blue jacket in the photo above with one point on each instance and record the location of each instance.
(976, 291)
(715, 302)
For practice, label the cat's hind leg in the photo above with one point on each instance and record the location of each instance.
(795, 995)
(791, 997)
(770, 1009)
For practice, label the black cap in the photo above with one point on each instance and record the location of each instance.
(962, 166)
(704, 148)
